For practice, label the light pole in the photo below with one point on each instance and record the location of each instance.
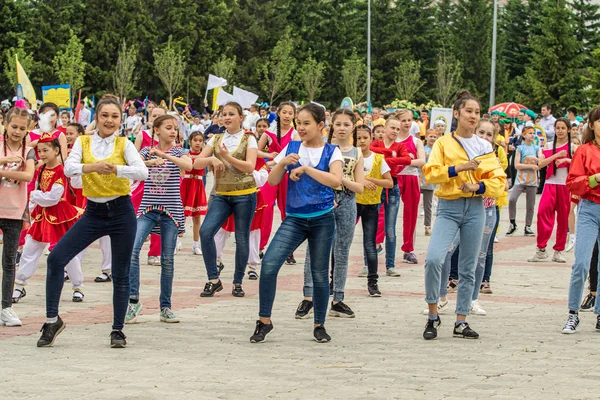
(369, 55)
(493, 72)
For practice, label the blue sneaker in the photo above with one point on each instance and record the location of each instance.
(133, 312)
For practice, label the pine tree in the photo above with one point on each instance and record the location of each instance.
(586, 20)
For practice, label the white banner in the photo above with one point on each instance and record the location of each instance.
(444, 114)
(244, 97)
(215, 82)
(223, 98)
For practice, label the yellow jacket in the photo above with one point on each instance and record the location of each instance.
(448, 152)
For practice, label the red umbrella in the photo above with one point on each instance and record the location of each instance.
(511, 109)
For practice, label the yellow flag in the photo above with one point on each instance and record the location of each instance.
(26, 85)
(214, 102)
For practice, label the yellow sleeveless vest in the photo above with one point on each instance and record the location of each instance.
(233, 182)
(96, 185)
(372, 196)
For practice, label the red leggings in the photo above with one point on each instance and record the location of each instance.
(277, 192)
(554, 203)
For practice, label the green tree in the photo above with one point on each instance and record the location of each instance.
(310, 77)
(225, 68)
(592, 79)
(279, 70)
(408, 79)
(586, 20)
(448, 78)
(553, 74)
(354, 77)
(170, 67)
(69, 66)
(125, 78)
(25, 59)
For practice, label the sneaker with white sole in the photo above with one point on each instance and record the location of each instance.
(571, 325)
(392, 272)
(571, 244)
(133, 312)
(540, 256)
(154, 260)
(363, 272)
(166, 315)
(476, 308)
(8, 317)
(558, 257)
(197, 251)
(511, 230)
(463, 330)
(443, 306)
(178, 246)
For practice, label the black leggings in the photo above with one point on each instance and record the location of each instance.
(11, 231)
(594, 269)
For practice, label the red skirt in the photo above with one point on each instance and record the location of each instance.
(193, 196)
(50, 224)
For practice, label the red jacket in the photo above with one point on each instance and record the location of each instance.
(585, 163)
(397, 163)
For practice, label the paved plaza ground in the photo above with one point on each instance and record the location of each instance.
(379, 354)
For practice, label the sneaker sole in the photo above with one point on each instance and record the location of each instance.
(559, 261)
(568, 331)
(393, 275)
(62, 328)
(460, 336)
(586, 309)
(211, 295)
(306, 316)
(11, 324)
(170, 321)
(529, 234)
(534, 260)
(375, 295)
(134, 319)
(261, 341)
(430, 338)
(340, 315)
(322, 340)
(118, 345)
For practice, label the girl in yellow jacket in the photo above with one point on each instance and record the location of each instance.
(466, 168)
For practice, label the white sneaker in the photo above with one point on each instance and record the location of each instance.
(363, 273)
(571, 244)
(558, 257)
(153, 260)
(442, 307)
(178, 246)
(197, 251)
(496, 239)
(539, 256)
(476, 308)
(9, 317)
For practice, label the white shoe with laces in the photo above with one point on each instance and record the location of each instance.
(540, 255)
(9, 317)
(558, 257)
(443, 306)
(197, 251)
(476, 308)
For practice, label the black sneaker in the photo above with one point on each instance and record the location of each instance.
(431, 328)
(67, 279)
(117, 340)
(50, 332)
(304, 309)
(321, 335)
(252, 275)
(291, 260)
(261, 332)
(220, 266)
(528, 232)
(588, 303)
(511, 230)
(598, 324)
(373, 290)
(18, 259)
(237, 290)
(210, 289)
(572, 323)
(261, 255)
(464, 331)
(341, 310)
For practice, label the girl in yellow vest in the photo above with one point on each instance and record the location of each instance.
(234, 157)
(106, 163)
(377, 177)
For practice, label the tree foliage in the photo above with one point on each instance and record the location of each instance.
(279, 70)
(69, 66)
(170, 67)
(354, 77)
(125, 78)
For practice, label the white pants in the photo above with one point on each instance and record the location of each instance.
(253, 258)
(104, 243)
(32, 251)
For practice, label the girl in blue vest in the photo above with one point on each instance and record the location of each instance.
(314, 168)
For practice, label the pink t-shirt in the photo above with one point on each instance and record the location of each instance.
(13, 193)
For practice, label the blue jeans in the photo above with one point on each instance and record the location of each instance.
(168, 239)
(489, 260)
(486, 239)
(115, 219)
(221, 207)
(466, 216)
(293, 231)
(447, 267)
(368, 214)
(390, 201)
(587, 235)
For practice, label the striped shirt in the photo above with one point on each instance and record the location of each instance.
(162, 189)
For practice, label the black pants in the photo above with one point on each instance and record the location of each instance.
(369, 214)
(11, 231)
(115, 219)
(594, 270)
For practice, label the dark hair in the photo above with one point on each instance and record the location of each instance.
(55, 145)
(363, 127)
(317, 112)
(349, 114)
(278, 120)
(588, 135)
(236, 106)
(568, 125)
(265, 120)
(79, 127)
(547, 107)
(16, 112)
(108, 99)
(572, 110)
(193, 135)
(158, 122)
(461, 99)
(45, 106)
